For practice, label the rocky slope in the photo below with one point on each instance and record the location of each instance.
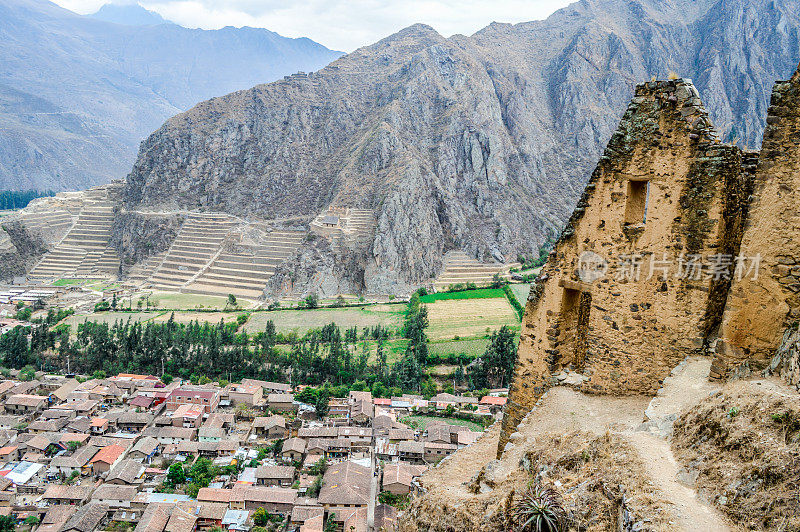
(78, 94)
(479, 143)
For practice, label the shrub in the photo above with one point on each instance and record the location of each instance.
(539, 510)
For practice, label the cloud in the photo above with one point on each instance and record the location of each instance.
(340, 24)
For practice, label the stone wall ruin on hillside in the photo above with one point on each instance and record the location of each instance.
(759, 309)
(641, 274)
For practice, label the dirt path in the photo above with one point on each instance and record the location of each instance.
(644, 422)
(689, 511)
(687, 385)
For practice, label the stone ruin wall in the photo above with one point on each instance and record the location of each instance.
(625, 335)
(760, 309)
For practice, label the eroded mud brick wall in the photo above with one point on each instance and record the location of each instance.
(760, 309)
(660, 191)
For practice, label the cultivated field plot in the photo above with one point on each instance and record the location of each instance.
(422, 422)
(108, 317)
(187, 317)
(520, 292)
(175, 300)
(480, 293)
(469, 317)
(300, 321)
(473, 348)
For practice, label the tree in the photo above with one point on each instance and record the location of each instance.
(231, 301)
(321, 404)
(7, 523)
(312, 300)
(428, 389)
(261, 517)
(28, 373)
(176, 475)
(496, 367)
(331, 525)
(31, 520)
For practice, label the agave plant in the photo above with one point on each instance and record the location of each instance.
(539, 510)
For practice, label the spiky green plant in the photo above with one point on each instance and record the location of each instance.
(539, 510)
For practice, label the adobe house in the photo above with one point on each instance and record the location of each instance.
(626, 293)
(760, 309)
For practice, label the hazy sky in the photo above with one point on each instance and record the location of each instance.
(339, 24)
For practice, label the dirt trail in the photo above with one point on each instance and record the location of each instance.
(565, 409)
(690, 512)
(687, 385)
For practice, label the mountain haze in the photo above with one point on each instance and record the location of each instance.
(479, 143)
(77, 94)
(128, 15)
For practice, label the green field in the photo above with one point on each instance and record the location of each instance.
(422, 422)
(472, 347)
(521, 291)
(481, 293)
(69, 282)
(300, 321)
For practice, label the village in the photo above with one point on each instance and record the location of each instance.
(131, 452)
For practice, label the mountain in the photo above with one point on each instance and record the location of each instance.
(77, 94)
(479, 143)
(128, 15)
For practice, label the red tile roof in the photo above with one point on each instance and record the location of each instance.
(108, 454)
(491, 400)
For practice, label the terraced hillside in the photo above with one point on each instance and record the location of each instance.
(84, 251)
(345, 227)
(459, 268)
(245, 271)
(198, 243)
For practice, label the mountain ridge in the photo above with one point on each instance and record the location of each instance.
(115, 84)
(480, 142)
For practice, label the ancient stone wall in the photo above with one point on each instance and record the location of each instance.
(627, 291)
(761, 307)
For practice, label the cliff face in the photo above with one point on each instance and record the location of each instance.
(21, 252)
(479, 143)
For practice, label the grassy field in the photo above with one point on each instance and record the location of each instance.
(468, 318)
(109, 317)
(422, 422)
(69, 282)
(471, 347)
(177, 301)
(481, 293)
(300, 321)
(520, 292)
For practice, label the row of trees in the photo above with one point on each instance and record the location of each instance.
(338, 357)
(18, 199)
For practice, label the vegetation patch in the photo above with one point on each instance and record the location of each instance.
(422, 422)
(479, 293)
